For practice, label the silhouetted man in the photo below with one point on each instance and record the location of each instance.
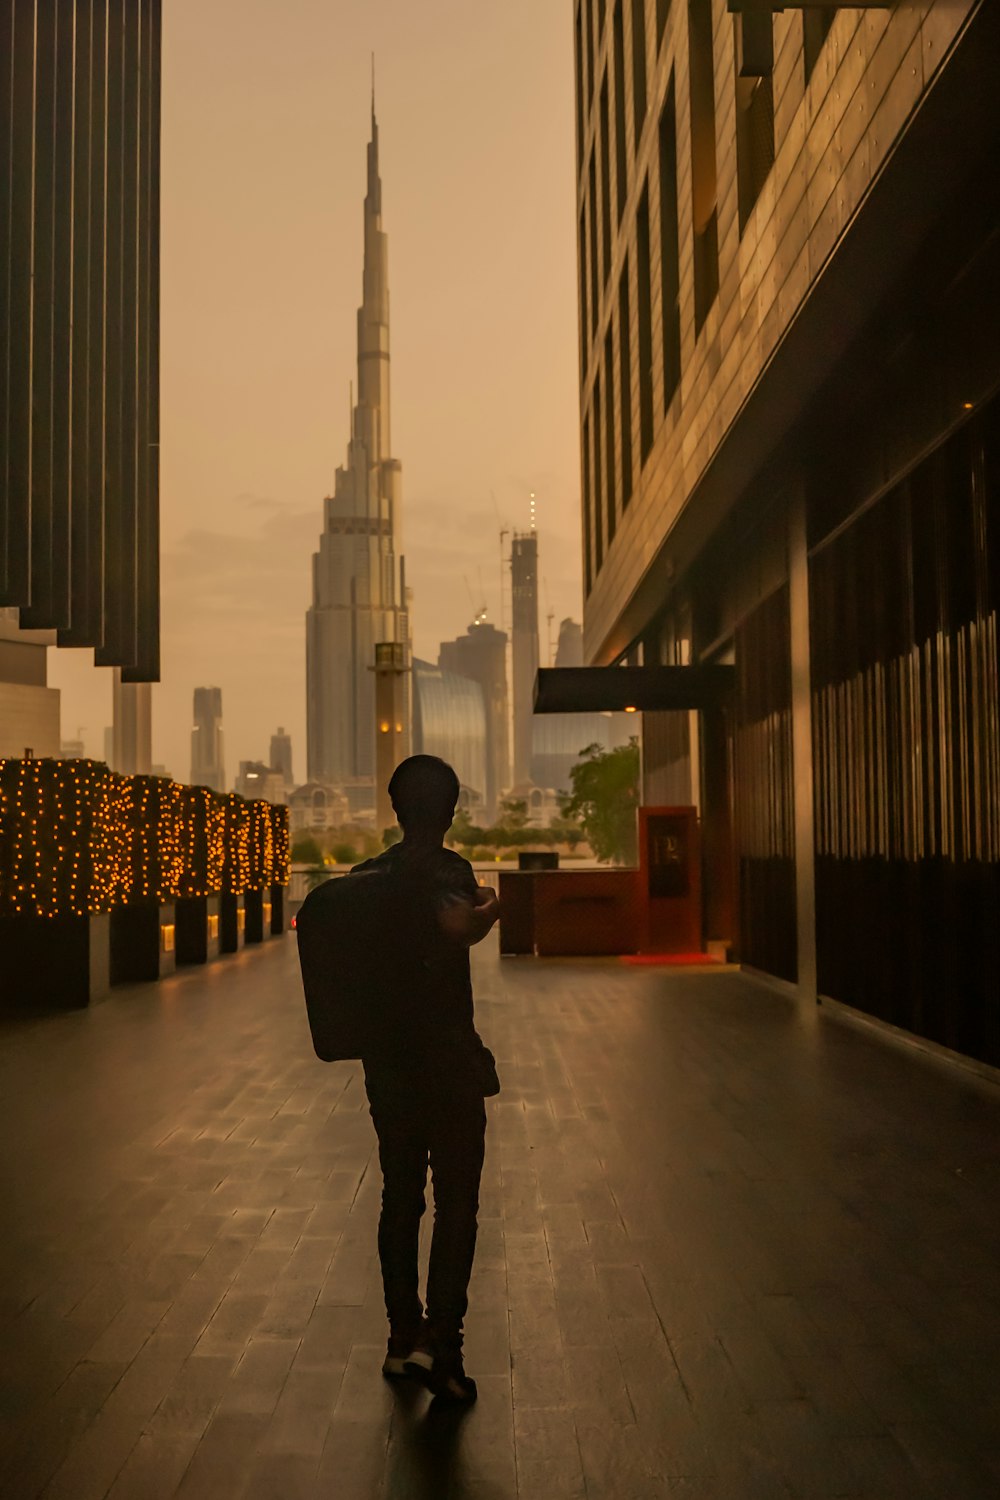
(427, 1084)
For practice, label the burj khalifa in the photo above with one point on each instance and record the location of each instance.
(359, 587)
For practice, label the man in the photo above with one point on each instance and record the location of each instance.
(427, 1083)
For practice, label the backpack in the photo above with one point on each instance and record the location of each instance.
(358, 964)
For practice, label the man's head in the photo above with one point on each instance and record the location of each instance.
(423, 791)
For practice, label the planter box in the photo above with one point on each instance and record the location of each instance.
(278, 895)
(143, 942)
(54, 963)
(231, 923)
(257, 929)
(197, 929)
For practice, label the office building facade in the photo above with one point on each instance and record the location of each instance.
(359, 588)
(788, 361)
(524, 646)
(257, 782)
(280, 758)
(449, 720)
(481, 656)
(79, 309)
(207, 757)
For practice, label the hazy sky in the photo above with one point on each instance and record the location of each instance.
(265, 122)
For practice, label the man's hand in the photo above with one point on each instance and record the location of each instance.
(468, 922)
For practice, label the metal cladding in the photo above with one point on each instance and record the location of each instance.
(79, 307)
(359, 591)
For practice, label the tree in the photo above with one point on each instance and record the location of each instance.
(513, 815)
(344, 854)
(563, 830)
(391, 835)
(306, 851)
(462, 832)
(605, 797)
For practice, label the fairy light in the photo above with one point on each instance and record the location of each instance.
(77, 840)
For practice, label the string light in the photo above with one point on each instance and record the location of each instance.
(76, 839)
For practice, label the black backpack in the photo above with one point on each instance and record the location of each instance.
(356, 952)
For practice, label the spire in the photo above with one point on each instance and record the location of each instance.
(373, 314)
(374, 196)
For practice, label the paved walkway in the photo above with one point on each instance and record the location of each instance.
(728, 1252)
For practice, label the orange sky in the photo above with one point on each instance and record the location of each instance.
(265, 121)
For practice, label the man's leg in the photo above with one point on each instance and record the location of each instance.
(457, 1147)
(403, 1153)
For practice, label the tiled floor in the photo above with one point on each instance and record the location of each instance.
(728, 1251)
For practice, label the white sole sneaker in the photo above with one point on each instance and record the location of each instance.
(420, 1365)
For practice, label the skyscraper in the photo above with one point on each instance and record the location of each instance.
(281, 756)
(449, 720)
(569, 651)
(524, 642)
(359, 590)
(481, 656)
(207, 766)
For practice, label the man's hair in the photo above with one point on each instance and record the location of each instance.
(424, 790)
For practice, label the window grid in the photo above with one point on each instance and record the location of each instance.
(605, 181)
(621, 149)
(609, 430)
(639, 100)
(669, 255)
(645, 327)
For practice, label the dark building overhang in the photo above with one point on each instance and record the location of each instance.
(573, 690)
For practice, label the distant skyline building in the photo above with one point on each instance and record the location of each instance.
(207, 758)
(569, 651)
(280, 758)
(256, 782)
(449, 720)
(359, 587)
(481, 656)
(524, 646)
(557, 739)
(393, 737)
(313, 808)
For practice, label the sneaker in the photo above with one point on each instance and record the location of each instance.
(443, 1374)
(398, 1350)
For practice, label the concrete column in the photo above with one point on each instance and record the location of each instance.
(802, 746)
(133, 727)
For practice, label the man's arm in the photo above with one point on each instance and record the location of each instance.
(468, 920)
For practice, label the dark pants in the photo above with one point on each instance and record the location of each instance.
(419, 1121)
